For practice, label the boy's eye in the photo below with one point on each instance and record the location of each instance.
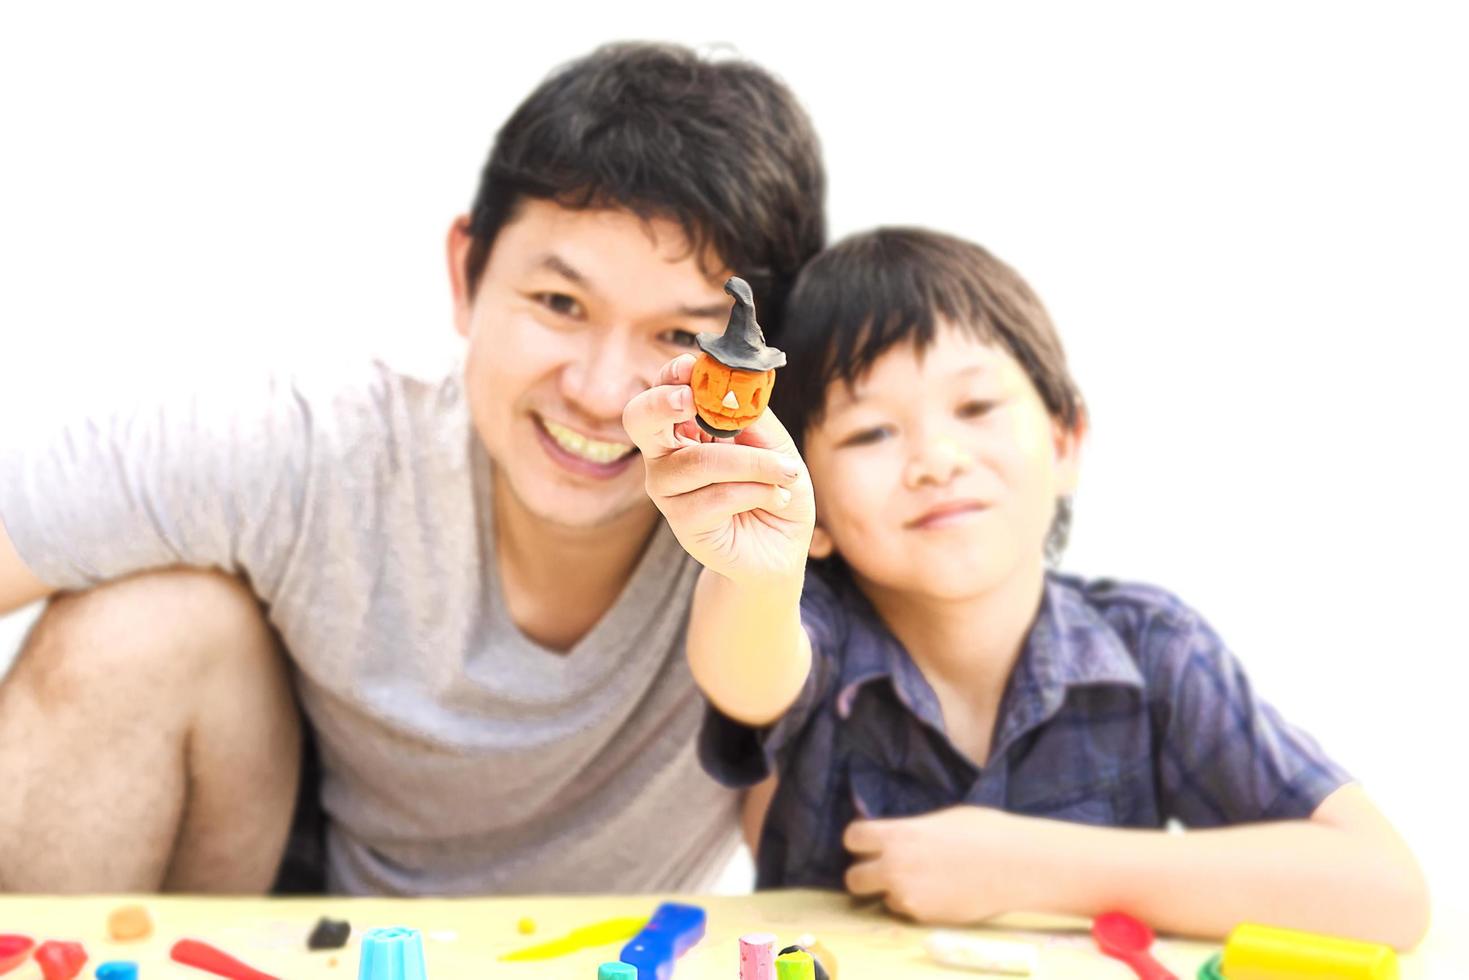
(559, 303)
(865, 437)
(679, 338)
(975, 409)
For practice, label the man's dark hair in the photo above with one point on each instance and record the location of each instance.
(890, 286)
(719, 146)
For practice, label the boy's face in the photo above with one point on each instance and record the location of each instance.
(575, 312)
(938, 473)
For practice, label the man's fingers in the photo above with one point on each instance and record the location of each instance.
(769, 432)
(650, 418)
(690, 430)
(866, 878)
(695, 467)
(712, 507)
(677, 371)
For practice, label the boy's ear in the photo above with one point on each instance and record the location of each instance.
(1068, 442)
(458, 250)
(821, 544)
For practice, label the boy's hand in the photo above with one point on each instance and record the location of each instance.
(742, 507)
(956, 866)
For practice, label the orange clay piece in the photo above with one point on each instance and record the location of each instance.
(713, 383)
(826, 958)
(128, 923)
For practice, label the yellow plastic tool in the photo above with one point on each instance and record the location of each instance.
(584, 937)
(1266, 953)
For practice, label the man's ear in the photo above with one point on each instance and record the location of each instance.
(821, 544)
(458, 246)
(1067, 442)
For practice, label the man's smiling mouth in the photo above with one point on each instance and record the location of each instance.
(591, 450)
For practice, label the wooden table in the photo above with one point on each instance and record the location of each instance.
(463, 938)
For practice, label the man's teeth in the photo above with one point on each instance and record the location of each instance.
(592, 450)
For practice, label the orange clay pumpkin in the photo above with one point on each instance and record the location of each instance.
(729, 399)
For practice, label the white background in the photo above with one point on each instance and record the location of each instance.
(1251, 224)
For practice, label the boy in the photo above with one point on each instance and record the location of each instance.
(955, 728)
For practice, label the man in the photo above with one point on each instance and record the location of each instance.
(481, 613)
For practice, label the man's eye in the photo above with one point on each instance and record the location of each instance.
(559, 303)
(975, 409)
(866, 437)
(679, 338)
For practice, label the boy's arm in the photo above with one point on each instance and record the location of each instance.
(747, 648)
(744, 510)
(1345, 871)
(1303, 846)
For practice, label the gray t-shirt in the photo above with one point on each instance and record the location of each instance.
(458, 755)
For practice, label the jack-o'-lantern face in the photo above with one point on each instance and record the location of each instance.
(729, 399)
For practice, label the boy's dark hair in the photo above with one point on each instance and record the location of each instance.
(719, 146)
(876, 290)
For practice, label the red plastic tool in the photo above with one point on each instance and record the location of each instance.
(202, 956)
(60, 961)
(14, 950)
(1124, 938)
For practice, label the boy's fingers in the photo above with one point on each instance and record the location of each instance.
(866, 878)
(900, 903)
(650, 418)
(863, 837)
(712, 507)
(695, 467)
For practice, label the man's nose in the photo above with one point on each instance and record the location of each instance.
(937, 460)
(604, 376)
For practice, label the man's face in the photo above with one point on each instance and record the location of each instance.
(937, 474)
(575, 313)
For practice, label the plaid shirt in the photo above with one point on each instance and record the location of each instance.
(1123, 710)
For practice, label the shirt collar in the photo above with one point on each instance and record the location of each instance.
(872, 653)
(1069, 645)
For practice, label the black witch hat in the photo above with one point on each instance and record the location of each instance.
(742, 345)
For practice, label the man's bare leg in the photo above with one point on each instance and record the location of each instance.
(148, 741)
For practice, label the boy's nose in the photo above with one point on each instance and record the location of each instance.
(938, 461)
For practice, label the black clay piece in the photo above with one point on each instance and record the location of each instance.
(742, 345)
(329, 934)
(820, 970)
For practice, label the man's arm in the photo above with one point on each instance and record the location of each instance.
(209, 476)
(18, 586)
(1345, 871)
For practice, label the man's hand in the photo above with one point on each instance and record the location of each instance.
(956, 866)
(743, 507)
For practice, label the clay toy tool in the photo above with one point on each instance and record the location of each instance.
(202, 956)
(672, 930)
(585, 937)
(1124, 938)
